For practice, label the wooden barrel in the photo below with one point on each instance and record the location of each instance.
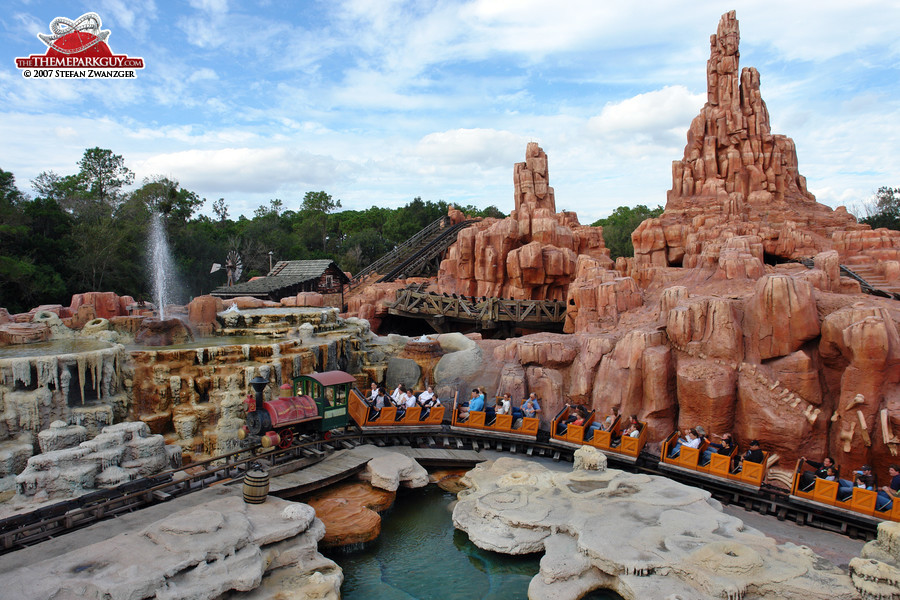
(256, 487)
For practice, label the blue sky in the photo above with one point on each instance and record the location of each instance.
(380, 101)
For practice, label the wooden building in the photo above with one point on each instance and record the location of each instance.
(289, 278)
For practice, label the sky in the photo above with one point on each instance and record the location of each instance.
(379, 101)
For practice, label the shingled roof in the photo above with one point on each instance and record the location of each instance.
(284, 275)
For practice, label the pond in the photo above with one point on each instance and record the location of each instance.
(421, 556)
(70, 346)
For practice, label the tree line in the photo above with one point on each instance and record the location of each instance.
(88, 231)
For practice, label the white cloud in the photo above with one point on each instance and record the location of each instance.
(485, 147)
(261, 170)
(651, 113)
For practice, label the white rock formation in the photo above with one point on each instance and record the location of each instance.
(641, 536)
(121, 453)
(876, 573)
(196, 554)
(389, 470)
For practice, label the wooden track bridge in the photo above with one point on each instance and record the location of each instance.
(448, 312)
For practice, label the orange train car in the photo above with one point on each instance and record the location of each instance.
(501, 426)
(827, 494)
(719, 465)
(390, 418)
(612, 442)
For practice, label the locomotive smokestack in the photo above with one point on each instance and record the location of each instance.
(259, 384)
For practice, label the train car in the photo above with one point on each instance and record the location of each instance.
(823, 494)
(719, 467)
(612, 443)
(391, 419)
(317, 404)
(497, 426)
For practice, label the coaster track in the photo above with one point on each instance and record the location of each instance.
(27, 529)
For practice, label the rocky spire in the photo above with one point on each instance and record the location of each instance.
(730, 149)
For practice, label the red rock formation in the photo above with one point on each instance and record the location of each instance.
(202, 310)
(350, 513)
(162, 332)
(532, 254)
(737, 178)
(371, 302)
(23, 333)
(304, 299)
(106, 304)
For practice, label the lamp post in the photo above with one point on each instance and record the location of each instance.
(270, 261)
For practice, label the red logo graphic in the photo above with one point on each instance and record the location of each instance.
(78, 49)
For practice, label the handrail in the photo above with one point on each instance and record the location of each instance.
(865, 286)
(475, 309)
(414, 263)
(400, 250)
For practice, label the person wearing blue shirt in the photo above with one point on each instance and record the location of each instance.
(477, 401)
(886, 494)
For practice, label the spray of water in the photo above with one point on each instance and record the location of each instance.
(162, 267)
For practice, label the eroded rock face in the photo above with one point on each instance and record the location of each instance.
(69, 465)
(389, 470)
(163, 332)
(199, 553)
(876, 573)
(671, 541)
(532, 254)
(739, 180)
(350, 512)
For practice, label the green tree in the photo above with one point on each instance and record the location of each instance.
(618, 227)
(883, 210)
(317, 205)
(103, 175)
(165, 196)
(27, 277)
(220, 209)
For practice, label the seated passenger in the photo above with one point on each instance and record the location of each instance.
(715, 448)
(886, 495)
(426, 400)
(604, 425)
(395, 396)
(465, 407)
(505, 405)
(634, 427)
(534, 406)
(691, 439)
(754, 455)
(808, 478)
(577, 416)
(529, 408)
(477, 401)
(832, 474)
(373, 392)
(381, 400)
(400, 401)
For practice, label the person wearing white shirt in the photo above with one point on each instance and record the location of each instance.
(691, 439)
(410, 400)
(505, 406)
(427, 397)
(401, 389)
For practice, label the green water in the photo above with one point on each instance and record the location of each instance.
(71, 346)
(421, 556)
